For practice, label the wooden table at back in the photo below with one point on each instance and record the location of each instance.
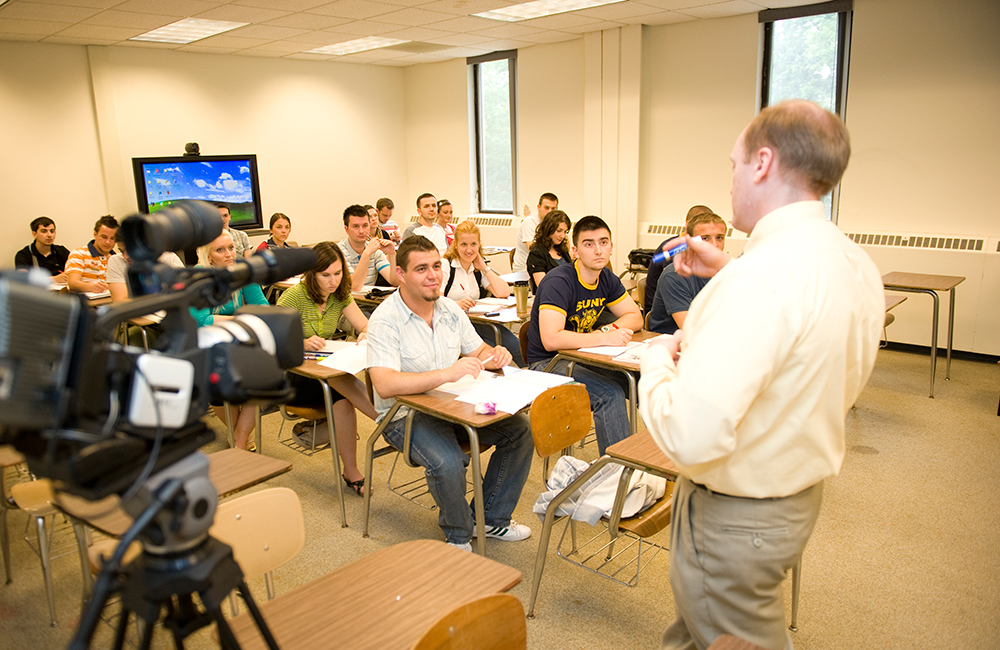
(230, 470)
(384, 601)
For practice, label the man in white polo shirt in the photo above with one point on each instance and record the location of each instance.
(426, 212)
(526, 231)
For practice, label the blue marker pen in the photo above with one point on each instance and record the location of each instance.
(662, 256)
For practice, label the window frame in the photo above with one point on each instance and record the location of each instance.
(473, 62)
(845, 16)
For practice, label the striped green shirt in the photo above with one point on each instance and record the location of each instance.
(313, 322)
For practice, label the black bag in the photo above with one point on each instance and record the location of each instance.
(641, 257)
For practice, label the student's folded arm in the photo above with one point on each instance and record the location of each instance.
(75, 281)
(119, 291)
(389, 382)
(555, 336)
(629, 316)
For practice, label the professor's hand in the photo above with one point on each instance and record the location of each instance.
(701, 258)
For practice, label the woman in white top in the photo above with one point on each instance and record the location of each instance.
(467, 278)
(445, 214)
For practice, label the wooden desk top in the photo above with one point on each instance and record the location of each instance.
(9, 456)
(384, 601)
(313, 369)
(641, 449)
(230, 470)
(606, 361)
(893, 301)
(444, 406)
(921, 281)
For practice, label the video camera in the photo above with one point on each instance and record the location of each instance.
(86, 410)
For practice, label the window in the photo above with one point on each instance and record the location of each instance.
(805, 57)
(493, 78)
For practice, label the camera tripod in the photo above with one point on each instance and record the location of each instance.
(173, 567)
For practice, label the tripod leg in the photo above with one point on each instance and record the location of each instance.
(122, 629)
(251, 604)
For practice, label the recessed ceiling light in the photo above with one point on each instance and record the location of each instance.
(188, 31)
(357, 45)
(541, 8)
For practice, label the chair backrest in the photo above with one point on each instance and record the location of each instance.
(640, 293)
(493, 622)
(265, 529)
(645, 321)
(522, 338)
(560, 417)
(511, 254)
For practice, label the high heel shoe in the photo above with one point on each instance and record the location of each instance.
(358, 486)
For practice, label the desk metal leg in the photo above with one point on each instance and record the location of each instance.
(951, 331)
(328, 402)
(4, 539)
(633, 404)
(796, 588)
(370, 461)
(934, 326)
(477, 489)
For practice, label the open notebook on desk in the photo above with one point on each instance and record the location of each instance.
(630, 352)
(510, 393)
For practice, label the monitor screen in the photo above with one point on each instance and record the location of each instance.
(229, 179)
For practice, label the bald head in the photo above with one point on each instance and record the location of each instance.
(811, 143)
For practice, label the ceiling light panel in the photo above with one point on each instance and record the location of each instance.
(357, 45)
(188, 31)
(541, 8)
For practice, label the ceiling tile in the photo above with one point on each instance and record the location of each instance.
(724, 9)
(319, 38)
(466, 51)
(102, 32)
(47, 12)
(227, 41)
(68, 40)
(504, 44)
(260, 53)
(466, 7)
(29, 27)
(309, 57)
(206, 50)
(465, 24)
(511, 30)
(559, 21)
(114, 18)
(179, 7)
(94, 4)
(152, 44)
(461, 39)
(284, 47)
(7, 36)
(593, 27)
(363, 28)
(550, 37)
(283, 5)
(354, 9)
(269, 32)
(308, 21)
(619, 11)
(416, 34)
(412, 17)
(239, 14)
(667, 18)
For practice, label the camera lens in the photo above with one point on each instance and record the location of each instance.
(182, 225)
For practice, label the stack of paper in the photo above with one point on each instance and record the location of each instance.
(512, 392)
(346, 356)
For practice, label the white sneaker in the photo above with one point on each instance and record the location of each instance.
(462, 547)
(514, 532)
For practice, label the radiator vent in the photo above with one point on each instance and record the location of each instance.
(660, 229)
(502, 222)
(914, 241)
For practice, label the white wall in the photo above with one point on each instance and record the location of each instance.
(326, 135)
(51, 162)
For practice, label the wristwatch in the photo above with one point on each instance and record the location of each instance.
(608, 328)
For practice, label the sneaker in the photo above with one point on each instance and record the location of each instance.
(514, 532)
(462, 547)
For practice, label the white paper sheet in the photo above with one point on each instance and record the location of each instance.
(467, 383)
(508, 315)
(346, 356)
(511, 393)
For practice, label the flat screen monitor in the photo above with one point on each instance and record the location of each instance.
(230, 179)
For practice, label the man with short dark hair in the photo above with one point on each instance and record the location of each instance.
(416, 342)
(426, 226)
(87, 267)
(368, 257)
(526, 231)
(384, 208)
(43, 253)
(241, 240)
(563, 317)
(776, 349)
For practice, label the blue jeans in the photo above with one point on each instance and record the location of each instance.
(435, 448)
(608, 392)
(507, 339)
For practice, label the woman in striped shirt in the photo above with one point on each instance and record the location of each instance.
(323, 296)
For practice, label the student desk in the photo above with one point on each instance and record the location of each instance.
(627, 368)
(496, 324)
(929, 284)
(445, 407)
(230, 470)
(384, 601)
(314, 370)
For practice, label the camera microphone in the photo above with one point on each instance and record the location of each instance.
(269, 266)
